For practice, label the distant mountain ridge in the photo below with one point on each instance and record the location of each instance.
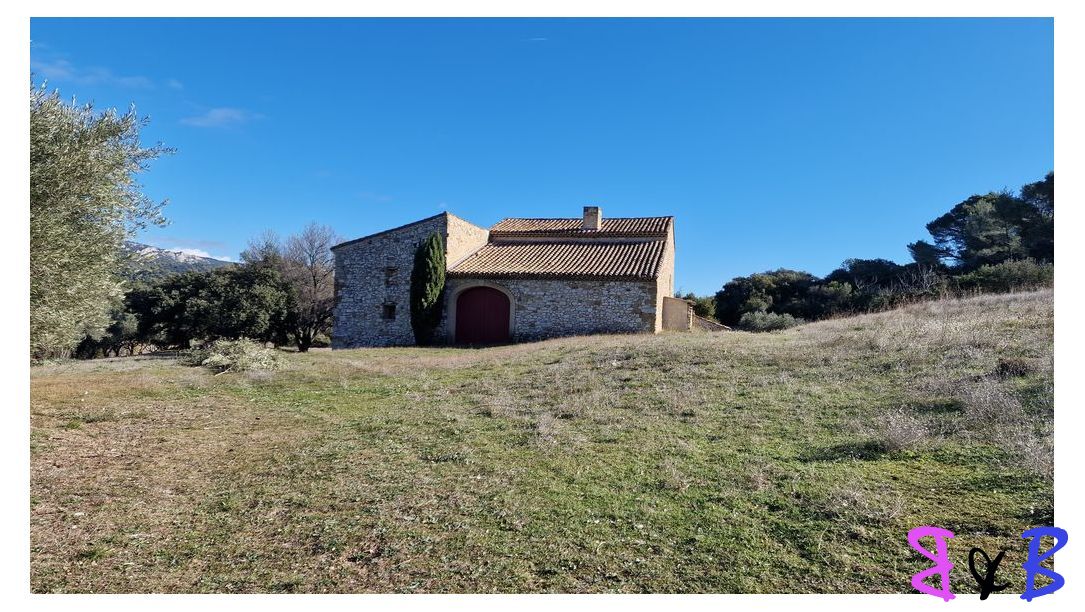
(146, 262)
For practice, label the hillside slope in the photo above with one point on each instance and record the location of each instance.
(145, 262)
(727, 462)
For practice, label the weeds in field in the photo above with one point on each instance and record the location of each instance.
(729, 462)
(899, 430)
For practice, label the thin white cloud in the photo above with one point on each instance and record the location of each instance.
(174, 84)
(537, 39)
(62, 70)
(221, 117)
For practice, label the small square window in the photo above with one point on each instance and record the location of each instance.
(388, 312)
(389, 277)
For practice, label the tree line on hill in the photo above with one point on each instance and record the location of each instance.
(1001, 241)
(85, 298)
(85, 202)
(281, 293)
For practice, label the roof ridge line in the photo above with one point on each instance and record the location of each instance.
(443, 213)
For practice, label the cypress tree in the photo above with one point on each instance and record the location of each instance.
(427, 288)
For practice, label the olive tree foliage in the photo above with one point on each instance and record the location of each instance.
(84, 202)
(427, 288)
(306, 262)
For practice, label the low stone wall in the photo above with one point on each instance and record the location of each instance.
(703, 324)
(677, 314)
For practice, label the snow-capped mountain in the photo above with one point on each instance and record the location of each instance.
(145, 262)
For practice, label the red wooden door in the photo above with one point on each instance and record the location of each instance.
(482, 316)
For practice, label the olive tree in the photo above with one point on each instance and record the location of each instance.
(84, 202)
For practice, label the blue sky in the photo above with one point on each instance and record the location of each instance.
(775, 143)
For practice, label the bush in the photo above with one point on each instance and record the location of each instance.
(761, 321)
(993, 412)
(703, 306)
(901, 431)
(234, 356)
(1010, 367)
(1014, 275)
(247, 301)
(828, 299)
(782, 291)
(990, 405)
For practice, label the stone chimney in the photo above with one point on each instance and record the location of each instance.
(593, 218)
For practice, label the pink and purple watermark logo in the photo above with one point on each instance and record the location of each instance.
(942, 564)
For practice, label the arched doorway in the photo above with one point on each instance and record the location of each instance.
(482, 316)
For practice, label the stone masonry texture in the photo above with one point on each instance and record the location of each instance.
(373, 291)
(547, 308)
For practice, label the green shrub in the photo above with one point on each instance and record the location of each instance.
(1013, 275)
(761, 321)
(703, 306)
(234, 356)
(782, 291)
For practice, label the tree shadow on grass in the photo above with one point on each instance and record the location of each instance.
(945, 406)
(864, 450)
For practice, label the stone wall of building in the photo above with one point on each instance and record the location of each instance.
(665, 280)
(546, 308)
(373, 286)
(373, 277)
(462, 238)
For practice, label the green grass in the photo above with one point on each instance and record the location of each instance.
(730, 462)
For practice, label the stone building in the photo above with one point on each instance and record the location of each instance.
(522, 279)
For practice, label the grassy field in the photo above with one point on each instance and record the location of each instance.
(729, 462)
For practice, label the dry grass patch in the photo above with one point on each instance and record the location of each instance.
(728, 462)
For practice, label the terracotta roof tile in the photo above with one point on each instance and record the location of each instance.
(613, 226)
(638, 260)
